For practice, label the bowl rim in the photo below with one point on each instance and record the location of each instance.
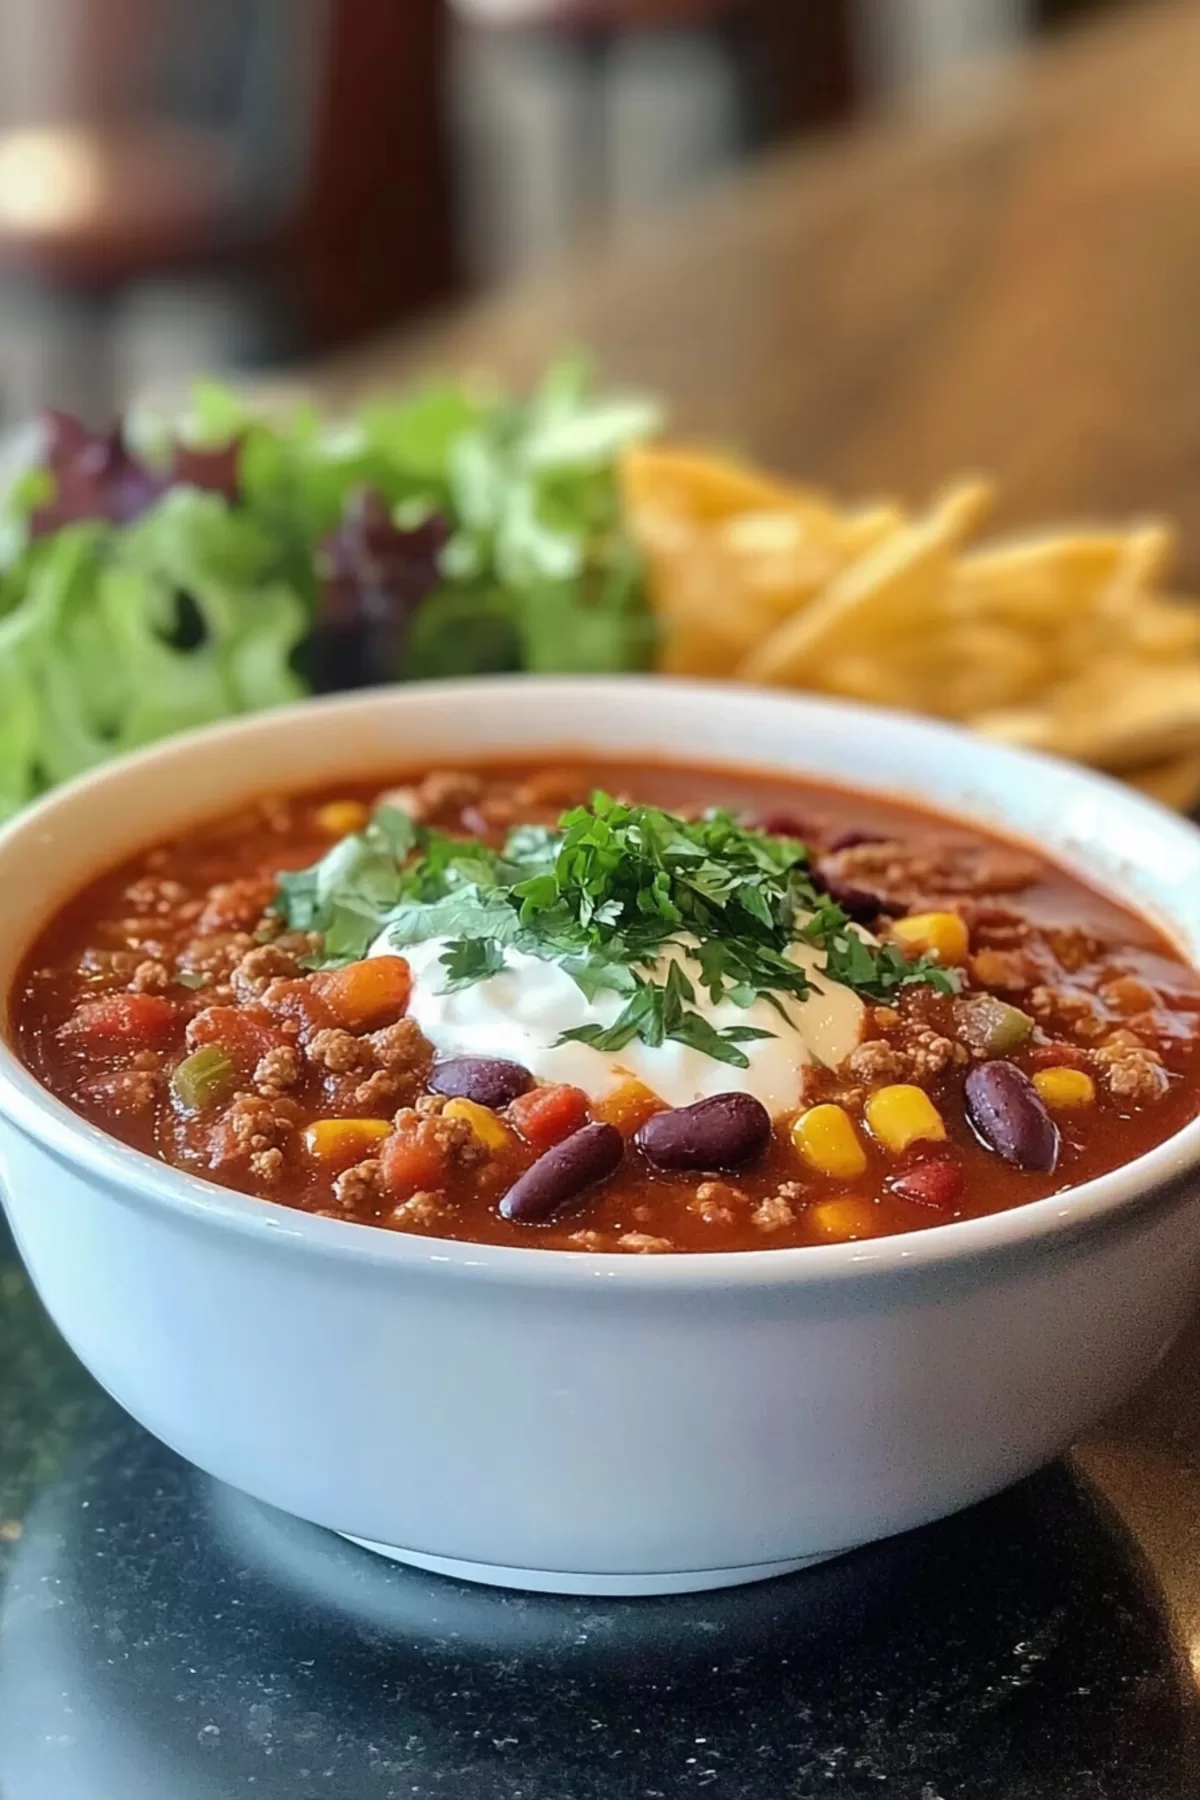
(1118, 1195)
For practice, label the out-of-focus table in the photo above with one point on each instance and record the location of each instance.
(1014, 285)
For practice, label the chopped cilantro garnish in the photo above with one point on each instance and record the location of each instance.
(621, 897)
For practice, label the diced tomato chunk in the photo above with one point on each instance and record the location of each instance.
(366, 994)
(297, 1000)
(935, 1181)
(244, 1032)
(546, 1115)
(412, 1160)
(123, 1019)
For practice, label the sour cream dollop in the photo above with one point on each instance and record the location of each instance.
(521, 1012)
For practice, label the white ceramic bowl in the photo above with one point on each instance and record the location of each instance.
(598, 1424)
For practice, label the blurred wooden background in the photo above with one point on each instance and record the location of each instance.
(1013, 287)
(254, 180)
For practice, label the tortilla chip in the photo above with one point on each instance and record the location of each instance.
(894, 589)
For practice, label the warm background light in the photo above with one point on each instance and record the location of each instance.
(80, 180)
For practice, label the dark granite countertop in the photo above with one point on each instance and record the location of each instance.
(162, 1638)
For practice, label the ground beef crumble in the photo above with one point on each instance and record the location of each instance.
(250, 1127)
(876, 1061)
(236, 905)
(424, 1210)
(401, 1048)
(644, 1243)
(338, 1051)
(774, 1213)
(718, 1202)
(253, 974)
(278, 1070)
(155, 894)
(452, 1137)
(216, 955)
(1129, 1068)
(150, 977)
(357, 1189)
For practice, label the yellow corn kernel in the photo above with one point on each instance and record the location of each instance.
(841, 1221)
(340, 817)
(940, 934)
(828, 1142)
(903, 1115)
(491, 1132)
(334, 1140)
(627, 1107)
(1065, 1087)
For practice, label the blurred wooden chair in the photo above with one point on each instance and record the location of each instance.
(266, 146)
(163, 141)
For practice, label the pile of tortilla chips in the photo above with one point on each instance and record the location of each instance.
(1065, 641)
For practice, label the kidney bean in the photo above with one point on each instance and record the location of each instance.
(1004, 1107)
(850, 839)
(785, 824)
(488, 1080)
(724, 1132)
(935, 1181)
(555, 1179)
(858, 903)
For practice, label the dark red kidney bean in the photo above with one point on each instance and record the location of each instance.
(725, 1132)
(1006, 1110)
(561, 1175)
(858, 903)
(488, 1080)
(785, 824)
(935, 1181)
(850, 839)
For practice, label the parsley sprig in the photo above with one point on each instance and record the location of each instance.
(622, 897)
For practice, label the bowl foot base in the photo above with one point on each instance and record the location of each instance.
(555, 1581)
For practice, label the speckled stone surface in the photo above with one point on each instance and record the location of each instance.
(162, 1638)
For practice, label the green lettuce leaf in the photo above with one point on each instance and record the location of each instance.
(124, 636)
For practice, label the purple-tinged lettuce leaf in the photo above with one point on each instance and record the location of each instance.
(374, 574)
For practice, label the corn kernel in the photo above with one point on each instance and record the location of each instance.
(940, 934)
(1061, 1088)
(903, 1115)
(488, 1129)
(336, 1140)
(841, 1221)
(340, 817)
(828, 1142)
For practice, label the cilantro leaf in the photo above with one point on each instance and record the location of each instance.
(467, 960)
(640, 1017)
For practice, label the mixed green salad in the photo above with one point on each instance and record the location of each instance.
(168, 574)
